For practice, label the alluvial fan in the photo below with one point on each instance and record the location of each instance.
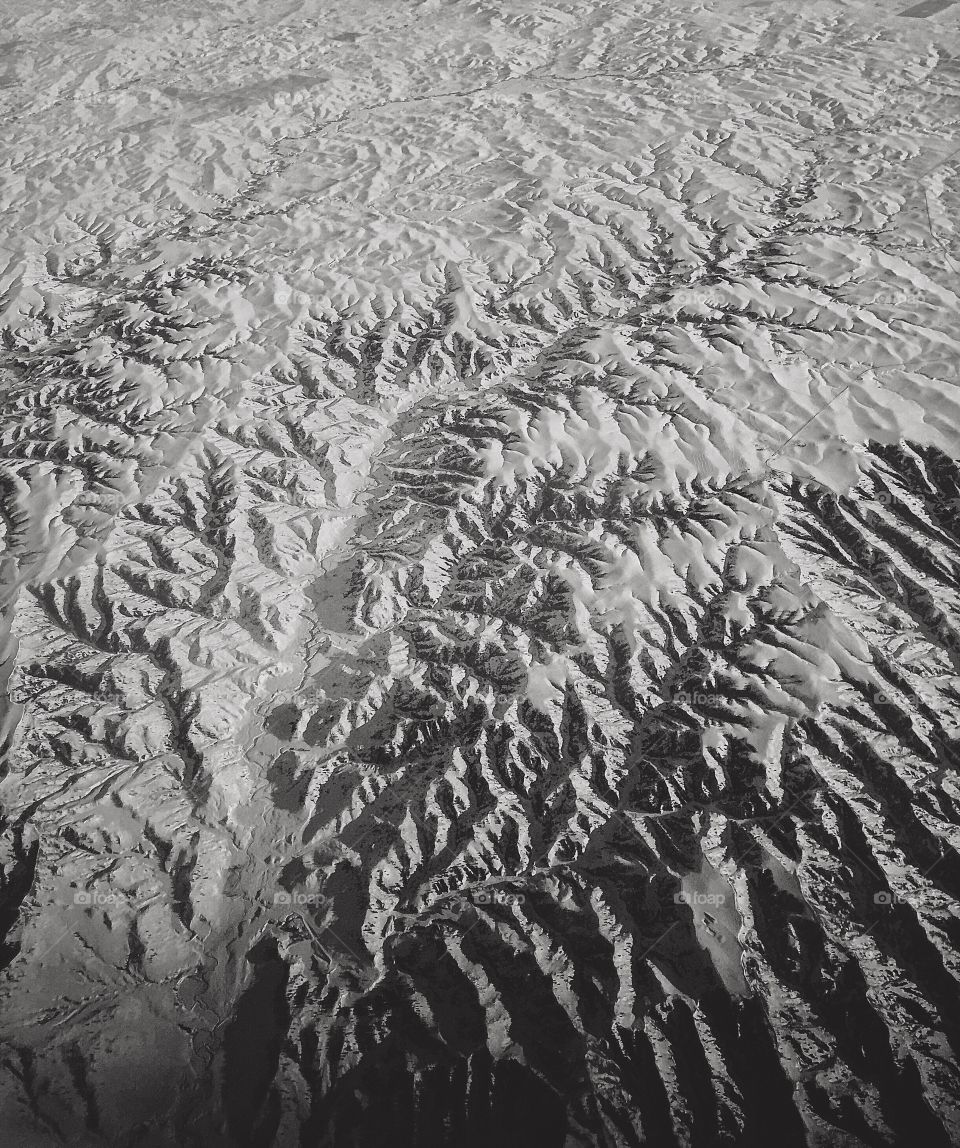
(480, 575)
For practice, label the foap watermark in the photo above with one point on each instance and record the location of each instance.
(885, 897)
(496, 897)
(284, 297)
(696, 698)
(695, 898)
(878, 697)
(91, 899)
(900, 298)
(108, 694)
(699, 98)
(298, 898)
(452, 907)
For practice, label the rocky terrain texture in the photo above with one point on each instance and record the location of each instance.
(479, 574)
